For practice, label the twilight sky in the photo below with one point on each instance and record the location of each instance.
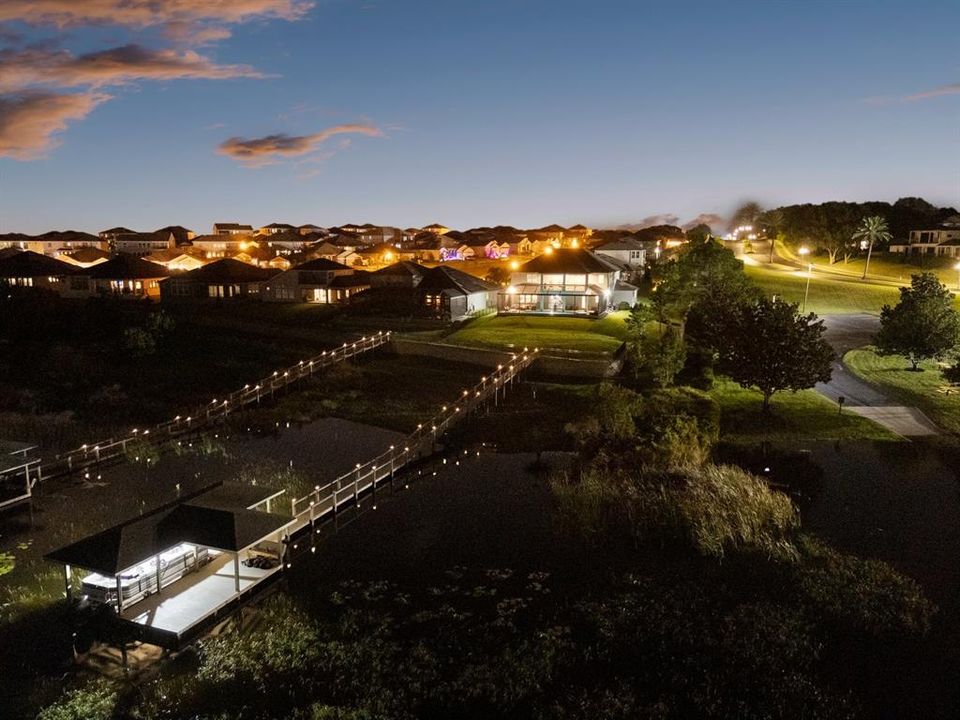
(467, 112)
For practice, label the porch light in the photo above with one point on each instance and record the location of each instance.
(511, 290)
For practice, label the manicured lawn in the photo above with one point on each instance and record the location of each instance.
(805, 415)
(894, 266)
(826, 295)
(918, 389)
(560, 333)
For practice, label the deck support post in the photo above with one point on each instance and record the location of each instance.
(68, 582)
(236, 572)
(119, 595)
(158, 572)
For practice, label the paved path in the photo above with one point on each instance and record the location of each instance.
(847, 332)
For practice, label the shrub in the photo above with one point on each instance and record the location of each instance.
(94, 701)
(713, 509)
(868, 596)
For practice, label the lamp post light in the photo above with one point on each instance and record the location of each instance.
(957, 268)
(806, 293)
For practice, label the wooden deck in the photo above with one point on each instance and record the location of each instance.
(181, 606)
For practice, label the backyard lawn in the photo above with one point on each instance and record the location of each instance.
(805, 415)
(559, 333)
(919, 389)
(827, 295)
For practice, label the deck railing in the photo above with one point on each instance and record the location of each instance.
(201, 418)
(347, 488)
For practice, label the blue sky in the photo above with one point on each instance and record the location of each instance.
(520, 112)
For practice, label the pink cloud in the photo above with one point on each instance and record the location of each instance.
(950, 89)
(116, 66)
(254, 152)
(145, 13)
(30, 121)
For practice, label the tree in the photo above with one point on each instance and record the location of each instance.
(699, 233)
(872, 230)
(773, 348)
(746, 214)
(498, 275)
(923, 325)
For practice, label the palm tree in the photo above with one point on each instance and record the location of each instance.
(872, 229)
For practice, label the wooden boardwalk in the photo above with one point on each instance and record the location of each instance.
(365, 477)
(206, 416)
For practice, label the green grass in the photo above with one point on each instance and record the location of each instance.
(827, 295)
(559, 333)
(916, 389)
(895, 266)
(804, 415)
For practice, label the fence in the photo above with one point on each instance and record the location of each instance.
(218, 409)
(366, 476)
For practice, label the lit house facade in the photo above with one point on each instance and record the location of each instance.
(316, 281)
(942, 241)
(565, 282)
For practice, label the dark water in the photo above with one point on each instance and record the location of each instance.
(896, 502)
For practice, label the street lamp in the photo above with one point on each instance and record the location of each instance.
(806, 293)
(957, 268)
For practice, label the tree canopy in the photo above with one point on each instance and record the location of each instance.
(923, 325)
(771, 347)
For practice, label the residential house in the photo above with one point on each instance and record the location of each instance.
(381, 254)
(568, 281)
(287, 242)
(311, 229)
(55, 242)
(221, 245)
(125, 276)
(220, 280)
(436, 229)
(232, 229)
(626, 251)
(316, 281)
(942, 240)
(451, 294)
(30, 269)
(115, 232)
(181, 235)
(143, 243)
(275, 228)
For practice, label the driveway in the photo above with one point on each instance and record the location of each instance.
(847, 332)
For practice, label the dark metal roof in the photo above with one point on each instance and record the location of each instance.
(31, 264)
(568, 260)
(212, 522)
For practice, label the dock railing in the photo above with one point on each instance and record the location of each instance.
(348, 488)
(206, 416)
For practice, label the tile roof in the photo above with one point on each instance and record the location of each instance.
(444, 277)
(229, 270)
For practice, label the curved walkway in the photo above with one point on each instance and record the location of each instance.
(847, 332)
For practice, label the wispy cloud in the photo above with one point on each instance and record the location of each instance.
(30, 121)
(32, 67)
(949, 89)
(147, 13)
(255, 152)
